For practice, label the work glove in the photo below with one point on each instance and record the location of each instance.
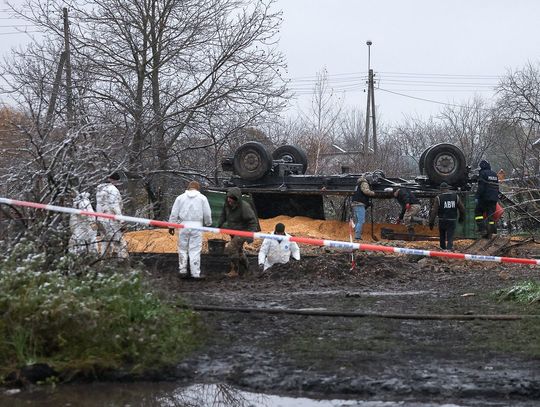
(431, 226)
(407, 206)
(171, 231)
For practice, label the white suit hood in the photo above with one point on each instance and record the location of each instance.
(83, 235)
(273, 251)
(108, 199)
(192, 207)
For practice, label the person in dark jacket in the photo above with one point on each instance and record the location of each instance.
(487, 196)
(238, 215)
(410, 207)
(446, 206)
(361, 200)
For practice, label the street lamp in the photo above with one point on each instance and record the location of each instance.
(368, 43)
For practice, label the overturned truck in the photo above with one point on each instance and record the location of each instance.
(279, 185)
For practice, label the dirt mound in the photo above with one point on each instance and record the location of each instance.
(335, 267)
(160, 241)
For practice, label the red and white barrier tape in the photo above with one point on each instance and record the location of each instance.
(258, 235)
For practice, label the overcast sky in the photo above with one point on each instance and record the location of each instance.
(441, 50)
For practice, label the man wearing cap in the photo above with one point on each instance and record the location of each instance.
(361, 200)
(109, 200)
(191, 209)
(487, 196)
(274, 251)
(446, 207)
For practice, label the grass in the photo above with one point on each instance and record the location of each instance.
(82, 320)
(526, 292)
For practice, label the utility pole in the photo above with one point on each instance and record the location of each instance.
(370, 107)
(54, 94)
(69, 90)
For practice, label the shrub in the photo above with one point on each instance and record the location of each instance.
(80, 317)
(525, 292)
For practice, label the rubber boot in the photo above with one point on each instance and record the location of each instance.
(481, 228)
(233, 270)
(243, 266)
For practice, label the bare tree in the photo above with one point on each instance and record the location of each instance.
(470, 127)
(319, 122)
(413, 136)
(518, 113)
(157, 67)
(519, 95)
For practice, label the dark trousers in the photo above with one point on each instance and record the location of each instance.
(235, 251)
(487, 207)
(447, 227)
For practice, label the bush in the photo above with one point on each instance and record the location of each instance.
(81, 318)
(526, 292)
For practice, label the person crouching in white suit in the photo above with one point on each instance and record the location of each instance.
(83, 238)
(273, 251)
(191, 209)
(109, 200)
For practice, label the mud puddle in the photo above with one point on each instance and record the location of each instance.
(377, 360)
(198, 395)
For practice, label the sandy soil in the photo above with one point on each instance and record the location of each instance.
(160, 241)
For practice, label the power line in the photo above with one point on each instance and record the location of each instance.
(18, 25)
(388, 74)
(20, 32)
(440, 75)
(436, 83)
(426, 100)
(438, 90)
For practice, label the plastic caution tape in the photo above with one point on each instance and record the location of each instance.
(258, 235)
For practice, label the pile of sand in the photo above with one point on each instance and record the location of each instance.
(160, 241)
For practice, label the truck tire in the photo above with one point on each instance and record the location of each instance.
(445, 163)
(252, 161)
(291, 154)
(422, 161)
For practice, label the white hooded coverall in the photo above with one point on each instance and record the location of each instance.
(83, 238)
(109, 200)
(273, 251)
(191, 209)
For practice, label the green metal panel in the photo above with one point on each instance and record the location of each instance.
(216, 199)
(467, 229)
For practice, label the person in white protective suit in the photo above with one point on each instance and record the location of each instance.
(273, 251)
(109, 200)
(191, 209)
(83, 238)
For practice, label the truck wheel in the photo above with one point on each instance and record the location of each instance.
(252, 161)
(291, 154)
(445, 163)
(422, 161)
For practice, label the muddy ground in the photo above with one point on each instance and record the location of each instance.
(422, 358)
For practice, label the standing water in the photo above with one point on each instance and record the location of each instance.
(171, 395)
